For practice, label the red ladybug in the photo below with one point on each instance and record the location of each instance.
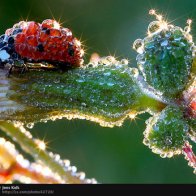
(45, 42)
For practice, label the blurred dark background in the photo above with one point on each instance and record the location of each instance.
(107, 27)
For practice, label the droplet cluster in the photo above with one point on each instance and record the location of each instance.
(165, 56)
(166, 132)
(47, 41)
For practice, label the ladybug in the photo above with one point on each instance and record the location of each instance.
(48, 42)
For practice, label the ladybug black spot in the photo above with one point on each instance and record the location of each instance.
(10, 40)
(40, 48)
(47, 31)
(70, 50)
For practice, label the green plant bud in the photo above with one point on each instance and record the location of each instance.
(165, 57)
(166, 132)
(106, 94)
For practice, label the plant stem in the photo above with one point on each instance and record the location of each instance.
(28, 144)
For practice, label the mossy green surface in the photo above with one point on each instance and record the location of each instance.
(106, 93)
(166, 61)
(166, 133)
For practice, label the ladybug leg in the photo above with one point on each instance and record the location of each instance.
(10, 71)
(24, 69)
(11, 64)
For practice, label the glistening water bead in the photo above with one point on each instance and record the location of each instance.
(165, 56)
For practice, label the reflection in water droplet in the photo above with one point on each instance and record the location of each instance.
(110, 84)
(107, 73)
(124, 61)
(168, 140)
(56, 80)
(30, 125)
(153, 27)
(83, 104)
(164, 43)
(138, 45)
(80, 80)
(67, 91)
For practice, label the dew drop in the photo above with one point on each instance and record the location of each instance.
(107, 73)
(110, 84)
(124, 61)
(163, 155)
(83, 104)
(30, 125)
(57, 157)
(164, 43)
(81, 175)
(66, 163)
(168, 140)
(56, 80)
(67, 91)
(101, 83)
(73, 169)
(146, 141)
(138, 46)
(80, 80)
(153, 27)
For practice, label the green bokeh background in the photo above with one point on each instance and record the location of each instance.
(107, 27)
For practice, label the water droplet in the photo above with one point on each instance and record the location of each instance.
(163, 155)
(80, 80)
(81, 175)
(110, 84)
(164, 43)
(138, 45)
(101, 83)
(30, 125)
(107, 73)
(66, 163)
(140, 58)
(83, 104)
(56, 80)
(111, 59)
(124, 62)
(146, 141)
(155, 128)
(154, 27)
(67, 91)
(168, 140)
(73, 169)
(57, 157)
